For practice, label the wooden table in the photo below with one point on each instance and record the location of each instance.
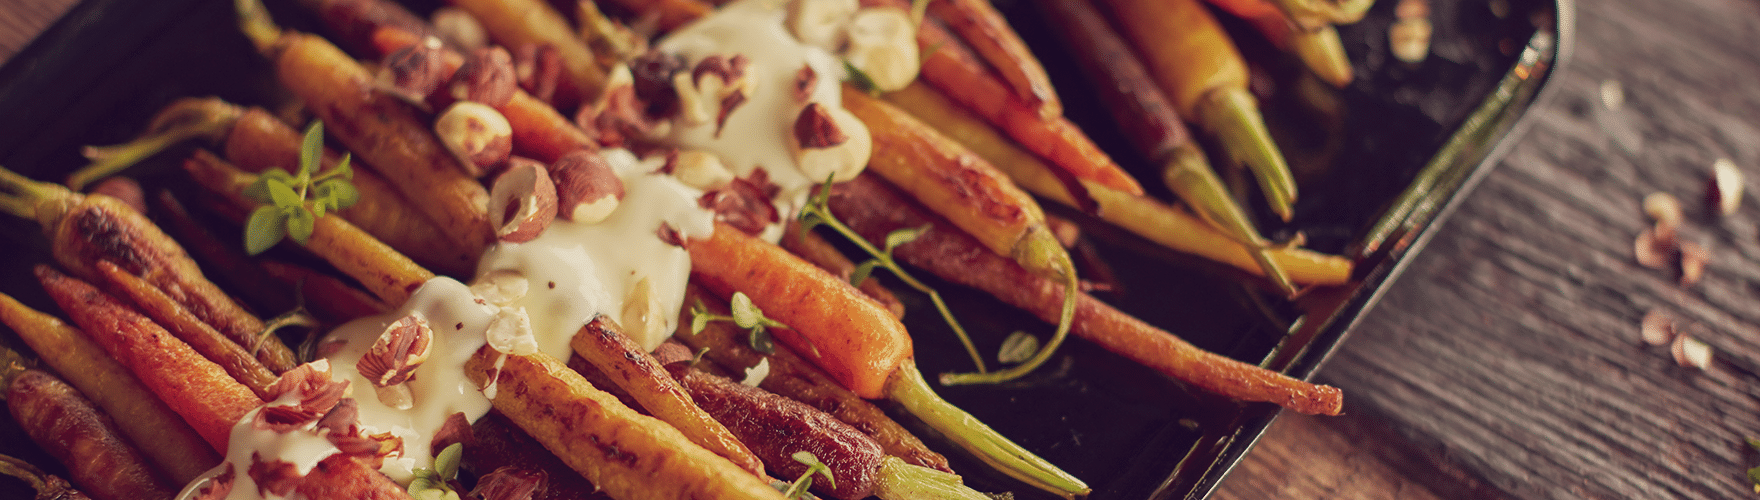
(1507, 362)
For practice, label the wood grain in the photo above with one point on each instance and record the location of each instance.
(22, 20)
(1511, 347)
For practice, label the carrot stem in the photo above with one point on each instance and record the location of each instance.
(208, 118)
(908, 388)
(1233, 115)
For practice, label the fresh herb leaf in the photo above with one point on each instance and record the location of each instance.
(1018, 347)
(906, 235)
(266, 226)
(799, 487)
(862, 271)
(292, 203)
(860, 79)
(446, 463)
(746, 315)
(436, 483)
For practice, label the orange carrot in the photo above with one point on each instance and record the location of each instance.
(81, 437)
(875, 209)
(153, 427)
(199, 390)
(815, 249)
(984, 29)
(233, 358)
(856, 341)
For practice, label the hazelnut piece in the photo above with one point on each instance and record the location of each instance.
(587, 189)
(479, 135)
(393, 359)
(523, 201)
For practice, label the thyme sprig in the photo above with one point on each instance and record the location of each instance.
(286, 210)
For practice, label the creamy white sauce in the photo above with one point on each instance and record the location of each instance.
(757, 133)
(439, 388)
(302, 447)
(578, 271)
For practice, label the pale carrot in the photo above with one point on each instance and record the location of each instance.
(986, 32)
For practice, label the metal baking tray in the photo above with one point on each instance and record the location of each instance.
(1407, 142)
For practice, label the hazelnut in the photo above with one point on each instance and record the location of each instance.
(511, 332)
(477, 133)
(414, 72)
(883, 45)
(393, 359)
(701, 170)
(487, 77)
(819, 22)
(804, 81)
(522, 202)
(587, 189)
(459, 28)
(539, 68)
(713, 89)
(501, 287)
(830, 143)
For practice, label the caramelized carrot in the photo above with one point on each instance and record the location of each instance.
(331, 300)
(379, 128)
(260, 141)
(86, 229)
(627, 454)
(815, 249)
(984, 29)
(1202, 71)
(1151, 219)
(795, 377)
(670, 14)
(199, 390)
(152, 426)
(235, 359)
(603, 344)
(876, 209)
(387, 274)
(856, 341)
(81, 437)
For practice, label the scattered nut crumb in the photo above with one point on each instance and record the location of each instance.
(1613, 95)
(1691, 352)
(1725, 194)
(1693, 259)
(1651, 251)
(1663, 208)
(1657, 327)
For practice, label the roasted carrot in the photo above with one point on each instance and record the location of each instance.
(81, 437)
(233, 358)
(1172, 228)
(782, 428)
(352, 23)
(184, 119)
(876, 209)
(83, 230)
(48, 486)
(497, 443)
(379, 128)
(602, 343)
(856, 341)
(147, 422)
(199, 390)
(330, 299)
(1202, 71)
(344, 476)
(626, 454)
(1149, 121)
(513, 23)
(670, 14)
(389, 275)
(984, 29)
(795, 377)
(260, 141)
(815, 249)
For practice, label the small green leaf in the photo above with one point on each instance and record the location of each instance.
(815, 466)
(1018, 347)
(862, 271)
(1753, 443)
(859, 79)
(760, 341)
(342, 169)
(266, 226)
(906, 235)
(300, 222)
(283, 195)
(446, 463)
(745, 314)
(339, 193)
(698, 323)
(258, 191)
(698, 357)
(311, 150)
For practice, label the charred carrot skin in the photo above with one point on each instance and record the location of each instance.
(795, 377)
(82, 437)
(199, 390)
(147, 422)
(603, 344)
(984, 29)
(331, 300)
(379, 128)
(778, 427)
(233, 358)
(875, 209)
(627, 454)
